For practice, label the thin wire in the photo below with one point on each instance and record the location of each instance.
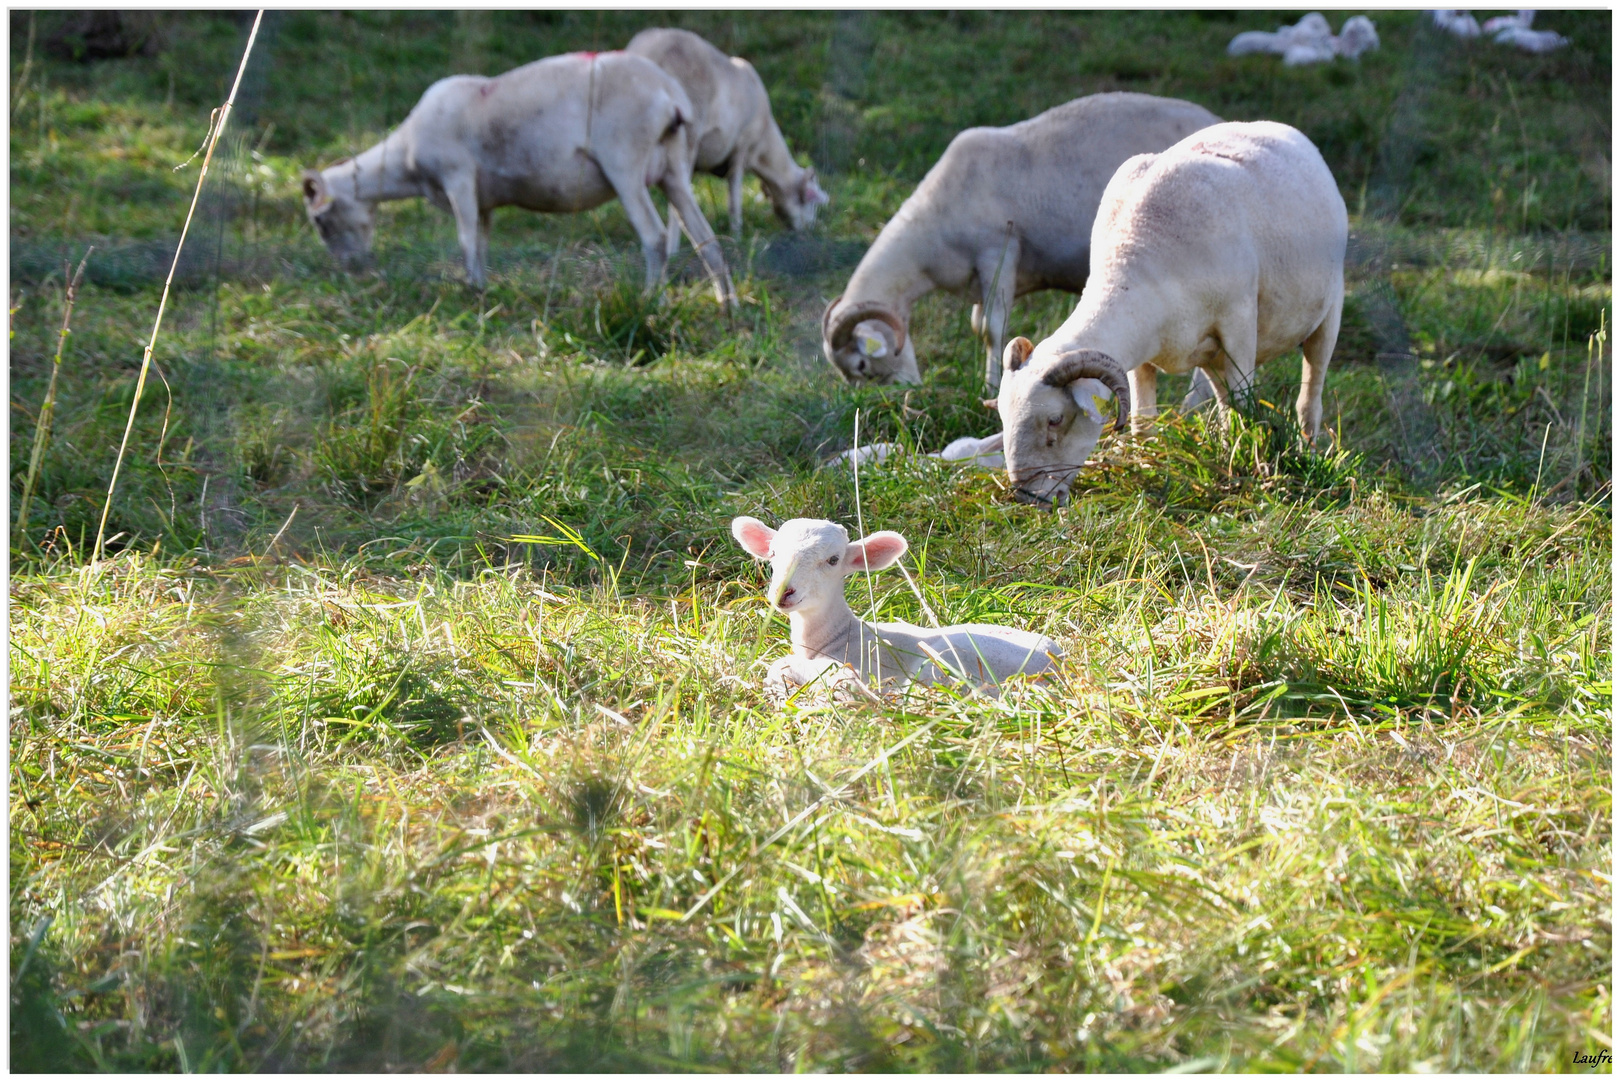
(217, 120)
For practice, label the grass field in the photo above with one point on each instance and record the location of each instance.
(324, 766)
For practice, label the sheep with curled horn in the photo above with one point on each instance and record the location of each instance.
(1220, 253)
(1004, 212)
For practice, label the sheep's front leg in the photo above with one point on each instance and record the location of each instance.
(1317, 350)
(1143, 395)
(462, 193)
(997, 282)
(1240, 340)
(790, 673)
(737, 175)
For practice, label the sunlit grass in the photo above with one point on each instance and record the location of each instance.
(416, 720)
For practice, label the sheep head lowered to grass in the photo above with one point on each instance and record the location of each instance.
(559, 135)
(809, 560)
(1220, 253)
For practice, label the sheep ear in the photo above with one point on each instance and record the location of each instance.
(1018, 350)
(878, 551)
(812, 193)
(872, 342)
(1091, 396)
(992, 404)
(753, 535)
(316, 195)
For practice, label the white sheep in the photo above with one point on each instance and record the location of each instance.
(809, 561)
(735, 130)
(1522, 19)
(1459, 23)
(1222, 252)
(1515, 29)
(1531, 41)
(1004, 212)
(559, 135)
(1309, 41)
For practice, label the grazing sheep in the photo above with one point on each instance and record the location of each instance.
(1222, 252)
(1512, 29)
(1523, 19)
(1531, 41)
(1459, 23)
(559, 135)
(1310, 41)
(735, 131)
(1004, 212)
(809, 561)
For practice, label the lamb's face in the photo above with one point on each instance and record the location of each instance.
(1049, 432)
(346, 225)
(810, 558)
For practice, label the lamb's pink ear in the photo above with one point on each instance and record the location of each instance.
(992, 404)
(753, 535)
(878, 551)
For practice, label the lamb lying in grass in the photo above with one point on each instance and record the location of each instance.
(809, 559)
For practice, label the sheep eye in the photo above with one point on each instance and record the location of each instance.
(1055, 421)
(833, 560)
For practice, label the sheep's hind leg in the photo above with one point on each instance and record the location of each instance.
(683, 201)
(1317, 350)
(648, 226)
(1201, 392)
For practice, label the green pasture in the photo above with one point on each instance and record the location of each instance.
(414, 717)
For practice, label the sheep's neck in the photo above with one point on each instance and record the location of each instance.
(1112, 324)
(773, 162)
(376, 175)
(827, 633)
(893, 270)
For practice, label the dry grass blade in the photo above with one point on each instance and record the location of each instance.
(217, 128)
(42, 427)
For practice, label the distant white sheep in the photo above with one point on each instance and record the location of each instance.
(1506, 29)
(809, 561)
(1459, 23)
(1309, 41)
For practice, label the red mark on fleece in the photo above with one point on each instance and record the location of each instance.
(593, 55)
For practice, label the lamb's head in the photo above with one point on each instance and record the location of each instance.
(1052, 413)
(346, 224)
(864, 340)
(796, 202)
(810, 558)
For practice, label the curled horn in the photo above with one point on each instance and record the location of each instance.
(837, 332)
(1089, 364)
